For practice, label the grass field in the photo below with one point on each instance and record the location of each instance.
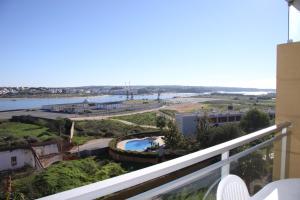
(79, 139)
(147, 118)
(239, 105)
(16, 132)
(171, 113)
(87, 130)
(186, 107)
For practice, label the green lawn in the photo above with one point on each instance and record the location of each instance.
(241, 104)
(171, 113)
(18, 133)
(147, 118)
(81, 139)
(21, 130)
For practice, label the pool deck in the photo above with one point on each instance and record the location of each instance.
(159, 140)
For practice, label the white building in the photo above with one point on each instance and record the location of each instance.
(187, 123)
(39, 156)
(16, 159)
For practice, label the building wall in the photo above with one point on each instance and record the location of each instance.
(24, 157)
(288, 105)
(47, 161)
(110, 106)
(187, 124)
(46, 149)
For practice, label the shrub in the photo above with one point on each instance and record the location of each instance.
(254, 120)
(104, 128)
(161, 122)
(217, 135)
(66, 175)
(173, 139)
(171, 113)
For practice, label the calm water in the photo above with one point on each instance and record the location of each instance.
(247, 93)
(138, 145)
(27, 103)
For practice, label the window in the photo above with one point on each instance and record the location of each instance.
(13, 161)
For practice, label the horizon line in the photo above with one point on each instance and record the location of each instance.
(141, 85)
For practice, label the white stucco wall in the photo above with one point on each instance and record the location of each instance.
(24, 157)
(46, 149)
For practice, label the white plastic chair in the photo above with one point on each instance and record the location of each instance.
(232, 187)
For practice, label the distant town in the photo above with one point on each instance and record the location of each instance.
(15, 92)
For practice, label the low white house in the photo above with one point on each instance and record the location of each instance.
(40, 156)
(15, 159)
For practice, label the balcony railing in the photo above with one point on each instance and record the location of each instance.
(140, 177)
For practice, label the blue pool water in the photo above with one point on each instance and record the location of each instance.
(138, 145)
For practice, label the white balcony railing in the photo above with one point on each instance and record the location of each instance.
(129, 180)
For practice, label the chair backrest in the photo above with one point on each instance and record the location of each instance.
(232, 187)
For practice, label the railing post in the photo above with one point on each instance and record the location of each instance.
(283, 154)
(226, 168)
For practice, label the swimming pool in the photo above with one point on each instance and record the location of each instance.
(138, 145)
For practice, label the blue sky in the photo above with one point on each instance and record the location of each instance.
(147, 42)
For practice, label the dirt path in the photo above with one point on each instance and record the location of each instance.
(133, 124)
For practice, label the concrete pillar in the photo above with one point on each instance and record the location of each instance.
(72, 131)
(288, 106)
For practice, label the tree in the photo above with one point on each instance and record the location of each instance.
(220, 134)
(173, 139)
(254, 120)
(161, 122)
(203, 125)
(63, 125)
(216, 135)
